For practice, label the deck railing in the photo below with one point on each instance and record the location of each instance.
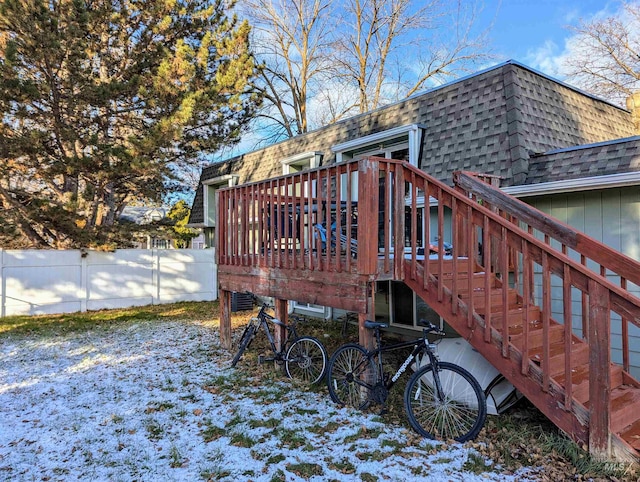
(393, 212)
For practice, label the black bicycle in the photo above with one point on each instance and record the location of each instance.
(442, 400)
(304, 357)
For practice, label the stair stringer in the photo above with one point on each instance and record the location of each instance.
(574, 422)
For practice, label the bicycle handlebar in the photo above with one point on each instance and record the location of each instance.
(430, 328)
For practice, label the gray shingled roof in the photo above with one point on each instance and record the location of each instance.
(488, 122)
(601, 159)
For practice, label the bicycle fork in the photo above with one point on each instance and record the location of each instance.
(435, 371)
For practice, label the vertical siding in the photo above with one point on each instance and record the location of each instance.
(611, 216)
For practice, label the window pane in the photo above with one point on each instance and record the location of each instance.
(425, 312)
(402, 304)
(382, 302)
(400, 155)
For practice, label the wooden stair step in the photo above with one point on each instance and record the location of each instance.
(515, 317)
(462, 267)
(625, 407)
(579, 356)
(580, 381)
(535, 334)
(495, 295)
(631, 434)
(477, 281)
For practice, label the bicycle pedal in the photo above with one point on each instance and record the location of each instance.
(260, 359)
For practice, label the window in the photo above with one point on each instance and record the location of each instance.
(319, 309)
(398, 143)
(210, 187)
(300, 162)
(158, 243)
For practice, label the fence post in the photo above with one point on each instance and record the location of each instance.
(3, 287)
(225, 318)
(599, 371)
(84, 280)
(368, 182)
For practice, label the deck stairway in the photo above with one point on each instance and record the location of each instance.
(514, 278)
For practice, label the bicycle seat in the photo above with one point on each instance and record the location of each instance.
(375, 324)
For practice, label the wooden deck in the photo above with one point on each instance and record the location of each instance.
(514, 277)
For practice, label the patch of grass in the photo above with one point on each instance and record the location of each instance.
(443, 460)
(304, 411)
(583, 462)
(278, 477)
(326, 428)
(367, 477)
(154, 429)
(343, 466)
(176, 459)
(376, 456)
(268, 423)
(363, 433)
(79, 322)
(291, 438)
(395, 445)
(159, 407)
(214, 474)
(236, 420)
(275, 459)
(475, 464)
(242, 440)
(212, 432)
(305, 469)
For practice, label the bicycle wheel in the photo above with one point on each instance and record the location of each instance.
(461, 412)
(350, 376)
(245, 341)
(306, 360)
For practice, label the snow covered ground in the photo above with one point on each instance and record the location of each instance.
(155, 401)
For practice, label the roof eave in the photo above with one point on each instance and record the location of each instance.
(623, 179)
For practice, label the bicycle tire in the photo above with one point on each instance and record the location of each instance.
(306, 360)
(462, 413)
(245, 341)
(347, 368)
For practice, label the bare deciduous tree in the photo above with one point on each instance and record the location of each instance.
(291, 40)
(393, 48)
(339, 58)
(605, 54)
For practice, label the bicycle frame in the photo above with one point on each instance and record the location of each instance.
(263, 319)
(420, 346)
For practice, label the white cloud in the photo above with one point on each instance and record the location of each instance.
(551, 58)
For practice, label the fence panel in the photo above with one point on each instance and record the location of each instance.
(46, 282)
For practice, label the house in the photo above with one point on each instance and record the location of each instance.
(515, 270)
(143, 215)
(552, 145)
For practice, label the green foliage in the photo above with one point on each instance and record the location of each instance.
(179, 214)
(104, 102)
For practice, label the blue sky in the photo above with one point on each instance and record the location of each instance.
(534, 32)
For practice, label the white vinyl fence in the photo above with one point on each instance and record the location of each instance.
(47, 281)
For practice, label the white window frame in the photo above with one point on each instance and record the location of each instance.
(210, 186)
(412, 131)
(308, 307)
(305, 160)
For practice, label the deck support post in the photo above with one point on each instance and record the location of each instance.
(225, 318)
(599, 372)
(281, 312)
(365, 336)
